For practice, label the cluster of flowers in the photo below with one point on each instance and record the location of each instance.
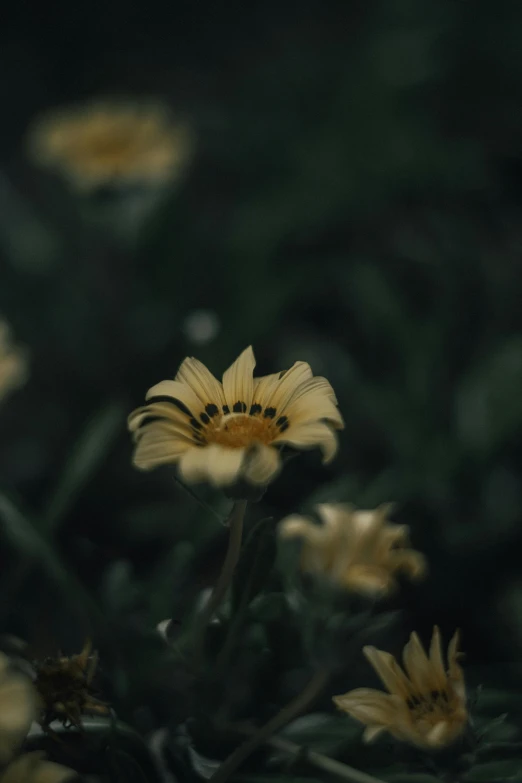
(232, 434)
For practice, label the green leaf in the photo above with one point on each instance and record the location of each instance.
(506, 771)
(321, 732)
(87, 456)
(413, 777)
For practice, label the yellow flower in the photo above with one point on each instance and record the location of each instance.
(230, 431)
(426, 706)
(357, 550)
(17, 709)
(13, 363)
(33, 768)
(109, 142)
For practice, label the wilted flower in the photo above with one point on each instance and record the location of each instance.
(357, 550)
(13, 363)
(64, 688)
(112, 143)
(17, 709)
(225, 432)
(426, 706)
(33, 768)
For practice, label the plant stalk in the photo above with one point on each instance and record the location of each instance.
(235, 525)
(261, 735)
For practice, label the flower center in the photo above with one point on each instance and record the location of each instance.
(238, 431)
(430, 707)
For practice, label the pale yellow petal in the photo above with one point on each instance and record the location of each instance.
(368, 579)
(407, 561)
(238, 382)
(311, 401)
(295, 526)
(368, 706)
(264, 387)
(287, 387)
(309, 435)
(217, 465)
(17, 705)
(32, 768)
(156, 448)
(149, 414)
(417, 665)
(389, 671)
(438, 736)
(372, 732)
(337, 519)
(436, 660)
(262, 464)
(205, 386)
(182, 396)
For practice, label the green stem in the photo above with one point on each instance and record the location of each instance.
(235, 525)
(325, 763)
(286, 714)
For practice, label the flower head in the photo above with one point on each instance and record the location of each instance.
(231, 431)
(107, 143)
(33, 768)
(13, 363)
(357, 550)
(425, 704)
(64, 688)
(17, 709)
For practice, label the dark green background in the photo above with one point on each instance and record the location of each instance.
(355, 202)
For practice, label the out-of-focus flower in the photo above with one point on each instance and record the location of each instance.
(201, 326)
(426, 706)
(64, 688)
(112, 143)
(357, 550)
(33, 768)
(231, 431)
(13, 363)
(17, 709)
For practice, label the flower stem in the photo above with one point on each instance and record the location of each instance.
(235, 525)
(320, 761)
(286, 714)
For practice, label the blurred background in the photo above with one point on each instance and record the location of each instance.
(352, 198)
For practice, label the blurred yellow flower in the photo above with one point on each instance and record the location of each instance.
(357, 550)
(230, 431)
(426, 706)
(33, 768)
(17, 709)
(111, 143)
(13, 363)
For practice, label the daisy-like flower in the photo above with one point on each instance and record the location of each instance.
(13, 363)
(111, 143)
(231, 431)
(425, 704)
(357, 550)
(33, 768)
(17, 709)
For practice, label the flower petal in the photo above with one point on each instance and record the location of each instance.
(289, 383)
(368, 579)
(310, 434)
(205, 386)
(156, 445)
(238, 382)
(418, 666)
(217, 465)
(389, 671)
(262, 464)
(182, 396)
